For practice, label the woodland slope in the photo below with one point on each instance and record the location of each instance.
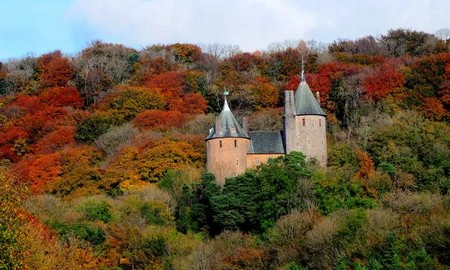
(102, 158)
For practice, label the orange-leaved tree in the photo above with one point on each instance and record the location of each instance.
(366, 172)
(39, 170)
(161, 120)
(55, 140)
(62, 96)
(383, 82)
(54, 69)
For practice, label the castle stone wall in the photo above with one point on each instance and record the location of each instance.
(311, 137)
(254, 160)
(226, 157)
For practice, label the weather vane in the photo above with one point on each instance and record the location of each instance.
(226, 93)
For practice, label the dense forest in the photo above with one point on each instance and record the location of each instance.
(102, 158)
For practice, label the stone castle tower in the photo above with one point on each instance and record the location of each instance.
(226, 147)
(305, 123)
(230, 149)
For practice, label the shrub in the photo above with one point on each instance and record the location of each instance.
(174, 180)
(322, 249)
(46, 207)
(92, 127)
(339, 191)
(380, 223)
(436, 237)
(341, 154)
(229, 250)
(412, 203)
(87, 232)
(156, 212)
(286, 238)
(82, 231)
(110, 141)
(95, 210)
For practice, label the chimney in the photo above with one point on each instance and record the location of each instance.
(245, 124)
(289, 103)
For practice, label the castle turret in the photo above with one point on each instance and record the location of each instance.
(310, 124)
(226, 147)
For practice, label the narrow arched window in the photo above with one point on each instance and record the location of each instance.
(304, 121)
(220, 144)
(235, 143)
(320, 122)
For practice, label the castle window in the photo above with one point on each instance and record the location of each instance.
(304, 121)
(220, 144)
(237, 161)
(320, 122)
(235, 143)
(257, 161)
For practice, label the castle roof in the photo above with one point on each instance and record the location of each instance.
(226, 125)
(305, 102)
(266, 142)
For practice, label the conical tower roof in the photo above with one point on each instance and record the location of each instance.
(305, 102)
(228, 125)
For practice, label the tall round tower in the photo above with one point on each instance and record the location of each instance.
(226, 147)
(310, 124)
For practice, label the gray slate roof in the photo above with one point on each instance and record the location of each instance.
(229, 125)
(305, 102)
(266, 142)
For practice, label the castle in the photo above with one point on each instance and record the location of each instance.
(231, 149)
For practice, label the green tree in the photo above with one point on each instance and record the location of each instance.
(194, 211)
(92, 127)
(249, 202)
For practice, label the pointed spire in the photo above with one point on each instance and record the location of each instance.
(225, 104)
(226, 124)
(303, 70)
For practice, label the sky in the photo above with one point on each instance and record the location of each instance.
(32, 27)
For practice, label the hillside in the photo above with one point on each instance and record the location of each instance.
(102, 158)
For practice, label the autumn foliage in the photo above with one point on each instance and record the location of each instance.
(54, 69)
(102, 155)
(382, 83)
(38, 171)
(161, 120)
(55, 140)
(62, 96)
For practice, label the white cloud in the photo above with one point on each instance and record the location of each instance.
(251, 24)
